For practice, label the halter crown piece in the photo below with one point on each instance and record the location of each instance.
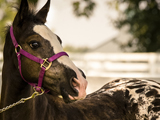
(43, 62)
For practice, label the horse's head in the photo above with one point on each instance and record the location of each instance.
(63, 77)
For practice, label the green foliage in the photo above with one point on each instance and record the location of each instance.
(84, 7)
(142, 17)
(6, 16)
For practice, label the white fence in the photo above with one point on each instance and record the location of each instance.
(141, 65)
(116, 64)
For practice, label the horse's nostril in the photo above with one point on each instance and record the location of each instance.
(73, 82)
(74, 85)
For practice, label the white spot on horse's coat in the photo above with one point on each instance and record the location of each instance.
(145, 101)
(47, 34)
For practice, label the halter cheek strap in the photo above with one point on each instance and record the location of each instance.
(45, 64)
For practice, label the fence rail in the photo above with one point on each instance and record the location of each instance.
(118, 64)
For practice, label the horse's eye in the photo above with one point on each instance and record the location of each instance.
(34, 45)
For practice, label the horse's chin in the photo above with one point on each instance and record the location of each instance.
(75, 90)
(65, 96)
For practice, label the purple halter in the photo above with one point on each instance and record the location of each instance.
(43, 62)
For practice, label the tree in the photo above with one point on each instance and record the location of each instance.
(7, 14)
(85, 10)
(142, 17)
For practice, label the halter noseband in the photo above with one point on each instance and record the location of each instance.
(45, 63)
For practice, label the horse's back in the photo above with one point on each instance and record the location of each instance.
(139, 97)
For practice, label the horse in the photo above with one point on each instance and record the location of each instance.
(35, 65)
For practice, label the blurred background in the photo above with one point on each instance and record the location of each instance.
(107, 39)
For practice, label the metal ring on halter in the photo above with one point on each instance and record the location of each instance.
(41, 90)
(46, 61)
(17, 48)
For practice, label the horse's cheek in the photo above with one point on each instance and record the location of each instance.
(30, 73)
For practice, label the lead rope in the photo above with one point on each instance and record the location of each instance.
(23, 100)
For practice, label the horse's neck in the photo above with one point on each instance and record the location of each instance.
(14, 88)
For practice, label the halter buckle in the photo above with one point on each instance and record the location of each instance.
(46, 62)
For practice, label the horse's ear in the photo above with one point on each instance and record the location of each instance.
(22, 12)
(42, 14)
